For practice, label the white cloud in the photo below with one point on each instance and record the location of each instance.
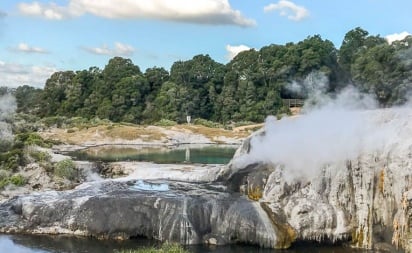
(232, 51)
(14, 75)
(48, 11)
(289, 9)
(25, 48)
(190, 11)
(119, 49)
(396, 36)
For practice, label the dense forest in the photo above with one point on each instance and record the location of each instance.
(248, 88)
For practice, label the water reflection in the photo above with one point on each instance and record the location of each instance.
(68, 244)
(206, 154)
(146, 186)
(9, 246)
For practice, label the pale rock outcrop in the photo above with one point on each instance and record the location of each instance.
(365, 199)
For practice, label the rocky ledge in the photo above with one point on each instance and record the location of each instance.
(364, 198)
(174, 211)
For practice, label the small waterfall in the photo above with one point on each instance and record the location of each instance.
(187, 233)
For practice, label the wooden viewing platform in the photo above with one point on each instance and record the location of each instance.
(293, 102)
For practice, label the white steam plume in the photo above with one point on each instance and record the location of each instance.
(332, 130)
(7, 108)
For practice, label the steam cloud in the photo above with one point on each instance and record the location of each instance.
(7, 107)
(332, 130)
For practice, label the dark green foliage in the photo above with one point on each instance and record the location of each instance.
(27, 139)
(165, 122)
(28, 99)
(18, 180)
(40, 156)
(66, 169)
(11, 160)
(248, 88)
(207, 123)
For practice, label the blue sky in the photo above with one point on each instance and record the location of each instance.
(40, 37)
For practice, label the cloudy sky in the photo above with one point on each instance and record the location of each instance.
(43, 36)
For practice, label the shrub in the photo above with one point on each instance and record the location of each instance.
(207, 123)
(70, 131)
(40, 156)
(11, 160)
(4, 182)
(56, 121)
(243, 123)
(165, 248)
(5, 145)
(4, 174)
(78, 122)
(165, 122)
(66, 169)
(18, 180)
(27, 139)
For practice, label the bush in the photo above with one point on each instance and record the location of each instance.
(78, 122)
(56, 121)
(244, 123)
(70, 131)
(11, 160)
(26, 123)
(27, 139)
(166, 248)
(4, 174)
(207, 123)
(4, 182)
(66, 169)
(18, 180)
(5, 145)
(40, 156)
(165, 122)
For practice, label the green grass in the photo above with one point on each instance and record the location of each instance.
(165, 248)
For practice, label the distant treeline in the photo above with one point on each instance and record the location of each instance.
(248, 88)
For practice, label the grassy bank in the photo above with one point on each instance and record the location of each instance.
(165, 248)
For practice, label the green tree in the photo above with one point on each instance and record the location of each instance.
(55, 93)
(28, 99)
(379, 71)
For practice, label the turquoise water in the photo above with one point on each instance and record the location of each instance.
(65, 244)
(210, 154)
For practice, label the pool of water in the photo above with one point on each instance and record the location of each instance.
(209, 154)
(67, 244)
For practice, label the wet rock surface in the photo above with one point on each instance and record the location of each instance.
(173, 211)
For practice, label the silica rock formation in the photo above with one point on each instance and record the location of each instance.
(265, 196)
(168, 211)
(365, 199)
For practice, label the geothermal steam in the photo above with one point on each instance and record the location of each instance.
(7, 108)
(330, 131)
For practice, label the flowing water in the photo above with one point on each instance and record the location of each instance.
(66, 244)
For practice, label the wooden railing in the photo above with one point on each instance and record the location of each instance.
(294, 102)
